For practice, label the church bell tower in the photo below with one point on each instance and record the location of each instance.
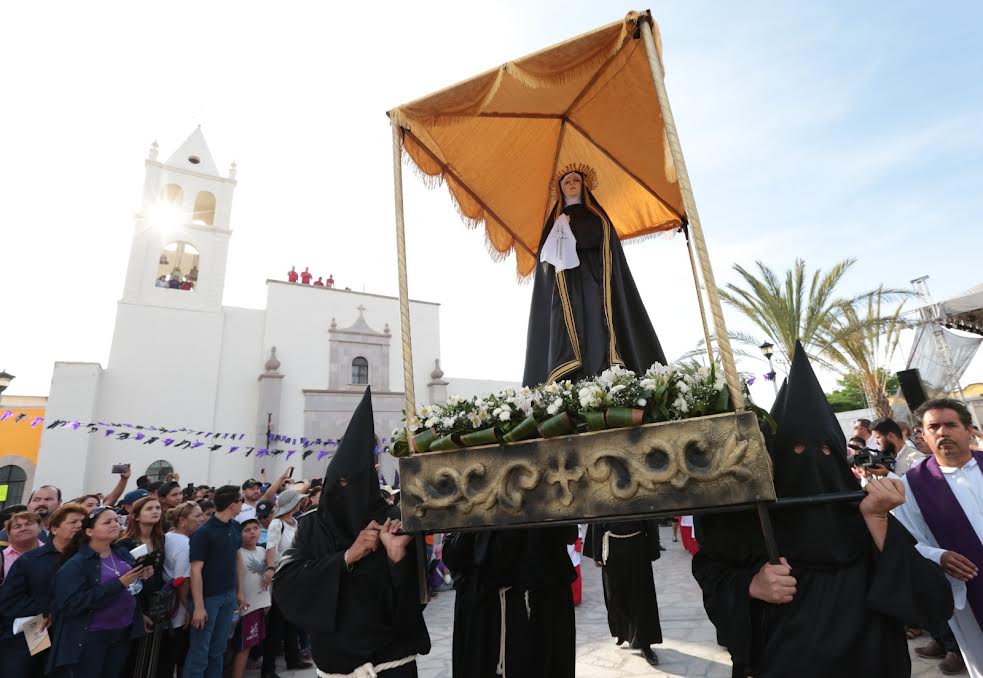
(181, 232)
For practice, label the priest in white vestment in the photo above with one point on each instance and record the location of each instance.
(944, 512)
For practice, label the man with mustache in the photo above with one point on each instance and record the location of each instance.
(944, 512)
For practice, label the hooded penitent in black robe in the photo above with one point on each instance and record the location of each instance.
(586, 319)
(371, 614)
(629, 586)
(852, 601)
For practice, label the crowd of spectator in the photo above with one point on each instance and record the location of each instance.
(163, 580)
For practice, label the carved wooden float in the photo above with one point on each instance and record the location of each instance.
(677, 467)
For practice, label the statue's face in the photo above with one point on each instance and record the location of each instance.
(571, 185)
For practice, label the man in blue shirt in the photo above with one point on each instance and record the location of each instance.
(216, 585)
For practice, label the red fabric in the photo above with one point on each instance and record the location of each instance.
(305, 278)
(292, 276)
(318, 283)
(578, 588)
(185, 285)
(689, 541)
(330, 281)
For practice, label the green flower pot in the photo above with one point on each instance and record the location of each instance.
(595, 421)
(451, 441)
(524, 430)
(620, 417)
(557, 425)
(423, 440)
(486, 436)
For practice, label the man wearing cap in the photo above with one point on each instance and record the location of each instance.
(252, 492)
(279, 631)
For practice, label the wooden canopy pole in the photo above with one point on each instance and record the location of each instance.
(409, 392)
(699, 298)
(404, 300)
(689, 203)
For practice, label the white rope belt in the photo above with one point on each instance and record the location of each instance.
(368, 669)
(500, 669)
(605, 544)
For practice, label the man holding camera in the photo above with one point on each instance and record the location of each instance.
(888, 435)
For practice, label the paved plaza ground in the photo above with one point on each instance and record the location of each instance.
(689, 647)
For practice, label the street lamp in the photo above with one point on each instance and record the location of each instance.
(767, 350)
(5, 380)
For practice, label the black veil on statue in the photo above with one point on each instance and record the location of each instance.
(586, 319)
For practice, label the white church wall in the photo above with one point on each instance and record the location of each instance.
(467, 388)
(242, 361)
(163, 371)
(63, 457)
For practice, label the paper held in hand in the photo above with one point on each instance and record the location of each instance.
(35, 633)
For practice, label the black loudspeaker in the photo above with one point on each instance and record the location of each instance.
(912, 389)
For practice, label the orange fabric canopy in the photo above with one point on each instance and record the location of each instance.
(498, 139)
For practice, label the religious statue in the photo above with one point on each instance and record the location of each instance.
(586, 314)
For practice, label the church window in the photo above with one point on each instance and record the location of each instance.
(204, 214)
(360, 371)
(177, 268)
(173, 194)
(159, 470)
(15, 479)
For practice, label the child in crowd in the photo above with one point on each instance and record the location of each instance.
(251, 630)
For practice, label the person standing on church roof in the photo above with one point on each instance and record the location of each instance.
(319, 282)
(306, 276)
(330, 281)
(292, 275)
(944, 512)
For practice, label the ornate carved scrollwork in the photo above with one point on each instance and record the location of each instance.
(713, 460)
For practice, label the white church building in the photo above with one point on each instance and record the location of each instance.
(180, 359)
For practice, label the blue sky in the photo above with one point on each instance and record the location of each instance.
(820, 130)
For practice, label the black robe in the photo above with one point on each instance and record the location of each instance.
(528, 574)
(845, 621)
(629, 584)
(371, 614)
(585, 319)
(852, 601)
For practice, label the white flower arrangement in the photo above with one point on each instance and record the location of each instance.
(665, 392)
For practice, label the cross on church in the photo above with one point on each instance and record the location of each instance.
(361, 309)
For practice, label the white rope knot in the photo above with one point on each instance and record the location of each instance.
(605, 544)
(368, 669)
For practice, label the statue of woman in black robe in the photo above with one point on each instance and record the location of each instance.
(850, 580)
(586, 314)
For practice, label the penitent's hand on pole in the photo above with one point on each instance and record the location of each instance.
(394, 543)
(773, 583)
(366, 542)
(883, 495)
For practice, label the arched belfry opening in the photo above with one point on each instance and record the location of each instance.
(177, 268)
(173, 194)
(204, 212)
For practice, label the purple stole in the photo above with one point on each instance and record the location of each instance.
(948, 522)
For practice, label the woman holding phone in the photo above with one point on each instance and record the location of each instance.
(95, 609)
(144, 529)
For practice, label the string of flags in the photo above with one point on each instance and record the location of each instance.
(767, 376)
(188, 439)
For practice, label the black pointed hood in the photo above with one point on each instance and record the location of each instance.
(809, 458)
(347, 508)
(809, 449)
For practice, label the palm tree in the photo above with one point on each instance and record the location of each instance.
(795, 309)
(862, 341)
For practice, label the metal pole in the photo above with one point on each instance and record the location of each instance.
(774, 377)
(689, 204)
